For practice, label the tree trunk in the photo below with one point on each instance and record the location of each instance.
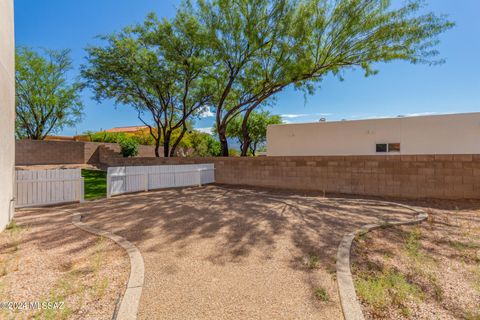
(166, 143)
(245, 135)
(157, 147)
(177, 142)
(221, 129)
(253, 149)
(245, 146)
(224, 147)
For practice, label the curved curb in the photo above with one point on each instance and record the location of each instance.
(131, 298)
(351, 307)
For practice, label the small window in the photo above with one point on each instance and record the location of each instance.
(394, 147)
(387, 147)
(381, 147)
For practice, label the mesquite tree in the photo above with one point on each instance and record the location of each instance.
(260, 47)
(257, 124)
(45, 100)
(158, 67)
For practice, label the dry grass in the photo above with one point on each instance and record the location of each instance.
(73, 275)
(386, 289)
(430, 271)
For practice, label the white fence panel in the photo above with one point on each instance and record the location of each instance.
(160, 177)
(116, 180)
(45, 187)
(136, 179)
(143, 178)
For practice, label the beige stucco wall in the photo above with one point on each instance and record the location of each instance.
(439, 134)
(7, 111)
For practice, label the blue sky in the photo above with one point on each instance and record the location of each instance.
(399, 88)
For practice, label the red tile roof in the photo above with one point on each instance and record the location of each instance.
(127, 129)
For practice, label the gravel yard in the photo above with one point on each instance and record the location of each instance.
(430, 271)
(44, 258)
(210, 252)
(232, 253)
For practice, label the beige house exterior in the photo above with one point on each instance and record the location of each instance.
(7, 112)
(436, 134)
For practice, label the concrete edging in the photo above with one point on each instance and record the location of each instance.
(131, 298)
(351, 307)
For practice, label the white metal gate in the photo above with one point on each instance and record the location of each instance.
(143, 178)
(45, 187)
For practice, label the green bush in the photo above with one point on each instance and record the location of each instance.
(128, 147)
(201, 144)
(141, 137)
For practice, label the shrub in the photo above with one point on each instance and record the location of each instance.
(413, 245)
(141, 137)
(108, 137)
(322, 294)
(128, 147)
(388, 288)
(201, 144)
(312, 261)
(233, 152)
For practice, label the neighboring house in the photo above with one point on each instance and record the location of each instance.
(59, 138)
(7, 111)
(131, 129)
(436, 134)
(67, 138)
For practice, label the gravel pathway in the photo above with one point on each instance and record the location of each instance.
(231, 253)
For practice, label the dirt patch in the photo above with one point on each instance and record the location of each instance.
(230, 253)
(45, 259)
(430, 271)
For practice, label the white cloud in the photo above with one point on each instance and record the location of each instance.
(303, 115)
(418, 114)
(206, 112)
(208, 130)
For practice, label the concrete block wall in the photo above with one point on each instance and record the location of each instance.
(7, 112)
(412, 176)
(36, 152)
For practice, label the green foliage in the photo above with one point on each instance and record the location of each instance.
(159, 68)
(388, 288)
(128, 147)
(257, 124)
(46, 101)
(141, 137)
(413, 244)
(263, 46)
(203, 144)
(107, 137)
(313, 261)
(322, 294)
(235, 56)
(232, 153)
(13, 226)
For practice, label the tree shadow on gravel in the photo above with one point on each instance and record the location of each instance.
(238, 221)
(235, 222)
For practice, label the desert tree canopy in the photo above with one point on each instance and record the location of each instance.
(262, 46)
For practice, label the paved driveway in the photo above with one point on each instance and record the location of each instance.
(231, 253)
